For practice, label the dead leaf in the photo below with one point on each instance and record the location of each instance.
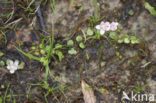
(88, 94)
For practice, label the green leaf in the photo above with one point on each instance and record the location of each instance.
(58, 46)
(28, 55)
(8, 61)
(42, 52)
(126, 39)
(98, 34)
(60, 55)
(36, 53)
(72, 51)
(87, 87)
(50, 51)
(131, 12)
(89, 31)
(33, 48)
(47, 48)
(150, 8)
(2, 86)
(44, 61)
(137, 41)
(1, 54)
(101, 90)
(113, 35)
(52, 4)
(81, 45)
(79, 38)
(117, 53)
(133, 37)
(2, 63)
(134, 40)
(40, 45)
(121, 38)
(120, 41)
(70, 43)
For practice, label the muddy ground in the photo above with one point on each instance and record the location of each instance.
(103, 70)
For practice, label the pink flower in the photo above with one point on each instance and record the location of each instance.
(107, 26)
(113, 26)
(101, 27)
(12, 66)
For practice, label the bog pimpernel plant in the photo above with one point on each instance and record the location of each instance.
(49, 50)
(11, 65)
(107, 26)
(55, 49)
(119, 38)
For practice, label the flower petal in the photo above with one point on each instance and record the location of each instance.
(116, 23)
(12, 71)
(8, 67)
(107, 23)
(14, 67)
(107, 26)
(102, 32)
(16, 63)
(113, 26)
(97, 27)
(11, 62)
(102, 23)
